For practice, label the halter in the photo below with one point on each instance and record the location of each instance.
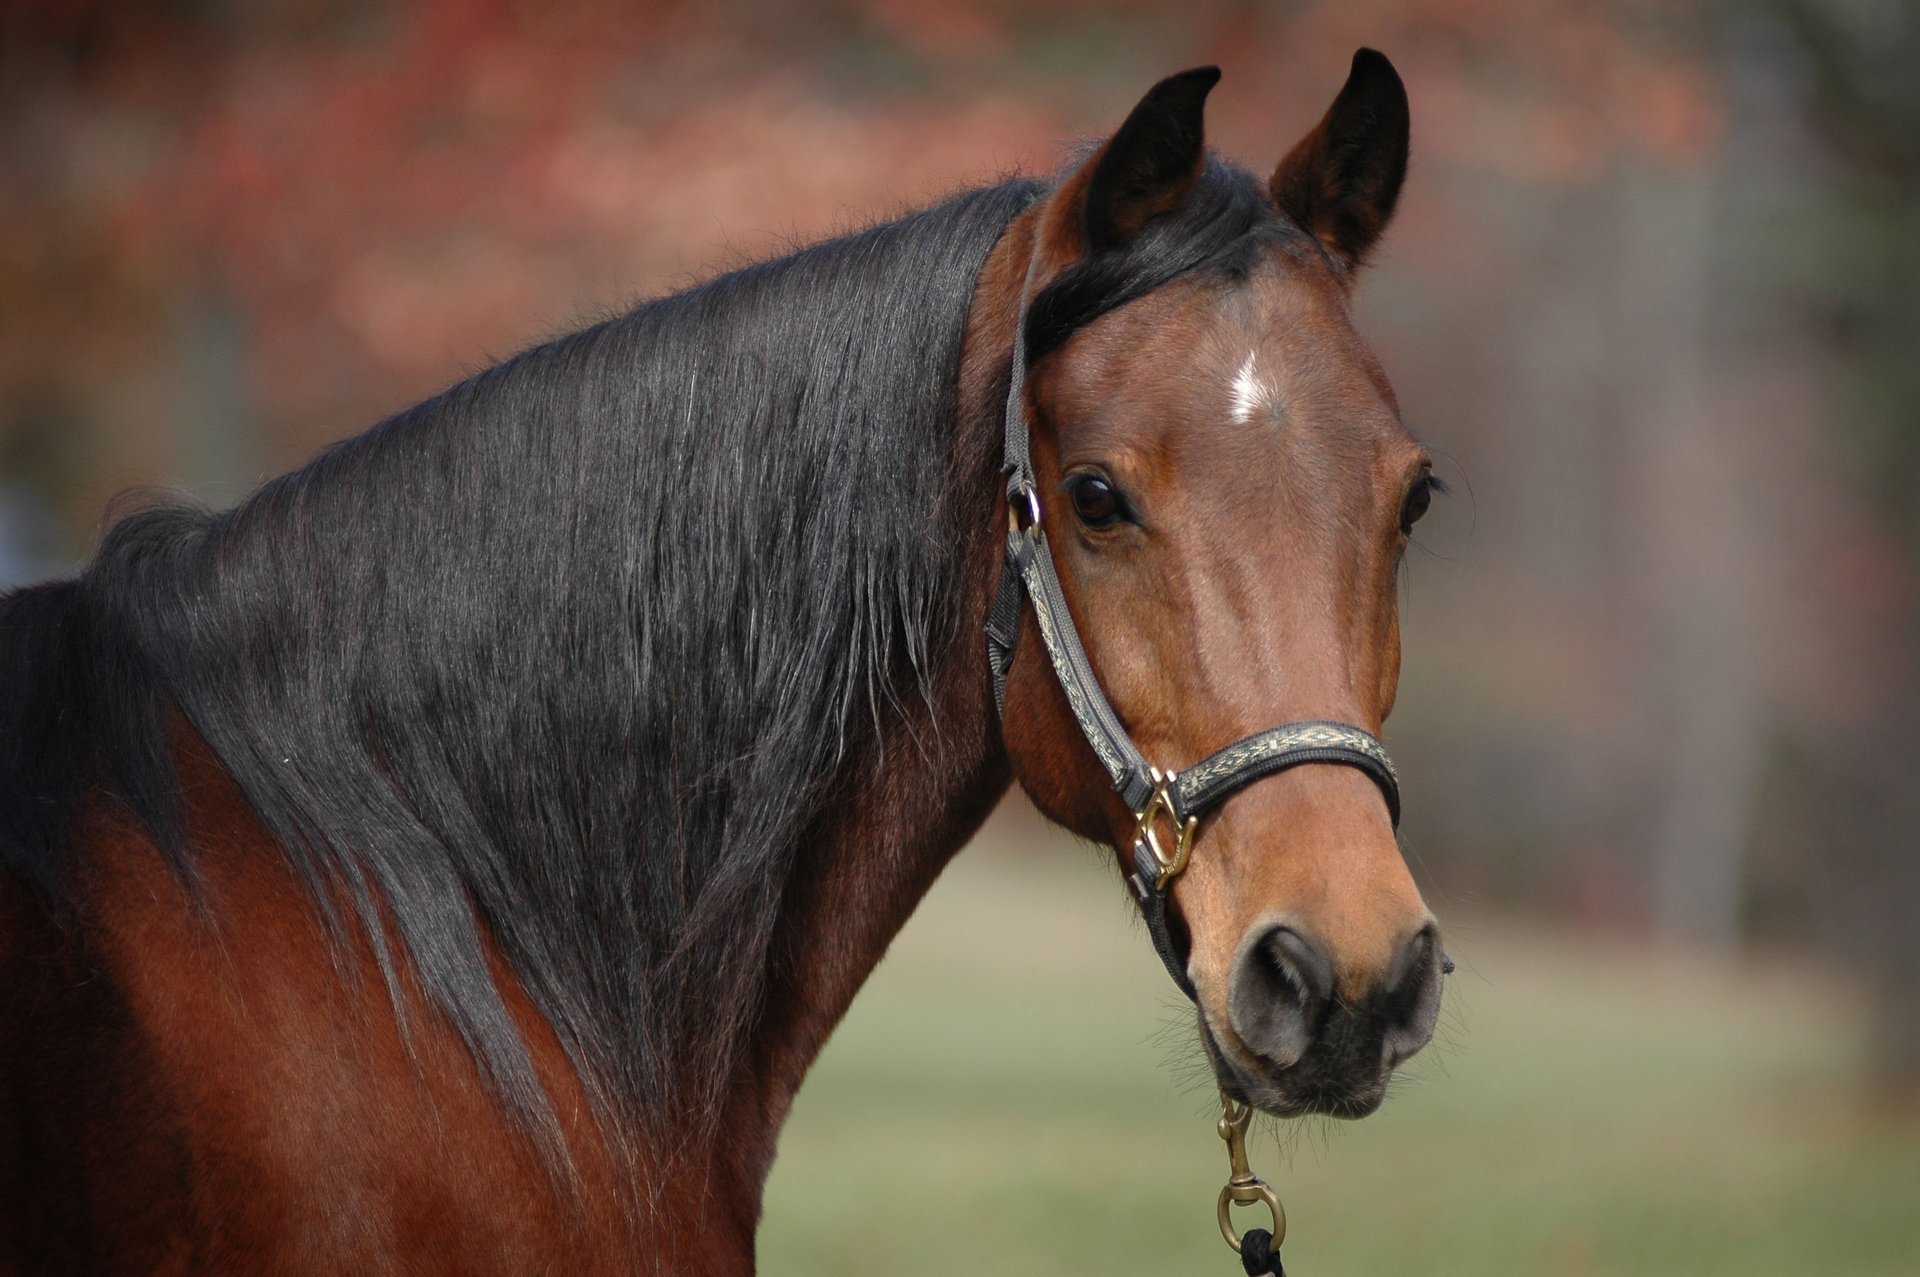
(1166, 805)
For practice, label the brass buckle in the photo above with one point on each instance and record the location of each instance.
(1244, 1188)
(1146, 829)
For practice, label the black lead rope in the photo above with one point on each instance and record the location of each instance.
(1259, 1255)
(1166, 805)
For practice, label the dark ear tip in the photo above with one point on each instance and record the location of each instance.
(1371, 64)
(1197, 83)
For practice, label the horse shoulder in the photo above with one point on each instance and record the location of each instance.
(210, 1085)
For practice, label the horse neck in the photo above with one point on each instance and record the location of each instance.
(909, 802)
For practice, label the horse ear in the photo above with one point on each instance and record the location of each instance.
(1339, 183)
(1145, 169)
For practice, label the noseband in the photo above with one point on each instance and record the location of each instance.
(1157, 798)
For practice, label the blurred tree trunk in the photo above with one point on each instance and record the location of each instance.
(1855, 65)
(1690, 571)
(1875, 790)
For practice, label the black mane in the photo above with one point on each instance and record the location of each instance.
(572, 651)
(1224, 225)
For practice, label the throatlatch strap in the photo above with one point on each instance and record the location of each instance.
(1016, 457)
(1003, 627)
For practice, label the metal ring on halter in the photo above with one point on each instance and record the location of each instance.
(1016, 498)
(1146, 832)
(1246, 1195)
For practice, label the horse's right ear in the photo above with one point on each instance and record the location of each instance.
(1143, 170)
(1340, 182)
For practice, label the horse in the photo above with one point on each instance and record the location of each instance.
(451, 858)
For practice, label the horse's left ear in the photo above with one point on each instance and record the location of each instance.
(1339, 183)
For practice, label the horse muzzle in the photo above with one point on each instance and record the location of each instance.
(1297, 1043)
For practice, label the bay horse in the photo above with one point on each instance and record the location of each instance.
(451, 859)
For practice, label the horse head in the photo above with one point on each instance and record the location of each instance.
(1225, 488)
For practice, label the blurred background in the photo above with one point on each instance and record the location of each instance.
(1653, 296)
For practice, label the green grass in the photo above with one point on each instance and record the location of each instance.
(1018, 1092)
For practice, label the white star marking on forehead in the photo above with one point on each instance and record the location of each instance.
(1250, 394)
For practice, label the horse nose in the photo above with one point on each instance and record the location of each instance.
(1282, 994)
(1281, 984)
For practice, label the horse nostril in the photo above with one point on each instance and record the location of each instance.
(1417, 951)
(1281, 981)
(1412, 993)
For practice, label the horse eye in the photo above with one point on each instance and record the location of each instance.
(1094, 500)
(1419, 497)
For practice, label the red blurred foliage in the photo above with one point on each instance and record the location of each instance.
(389, 196)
